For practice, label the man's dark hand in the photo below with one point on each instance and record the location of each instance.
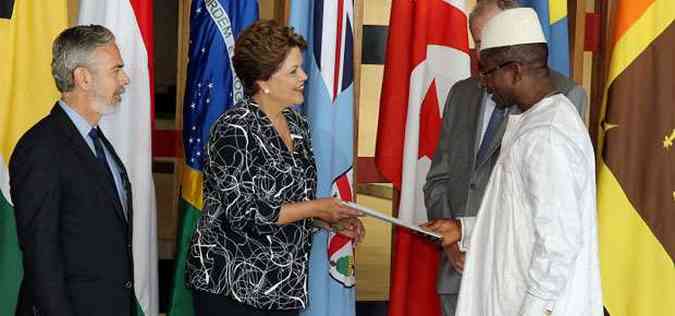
(455, 257)
(449, 229)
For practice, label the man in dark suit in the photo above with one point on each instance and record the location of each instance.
(71, 192)
(468, 149)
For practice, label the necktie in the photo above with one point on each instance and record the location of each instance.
(496, 119)
(100, 156)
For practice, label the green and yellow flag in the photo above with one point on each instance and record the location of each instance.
(636, 167)
(27, 93)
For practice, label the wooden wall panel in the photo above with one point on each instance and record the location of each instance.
(73, 9)
(374, 253)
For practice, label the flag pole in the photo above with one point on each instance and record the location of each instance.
(358, 49)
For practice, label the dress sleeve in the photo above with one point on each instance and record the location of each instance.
(238, 187)
(554, 173)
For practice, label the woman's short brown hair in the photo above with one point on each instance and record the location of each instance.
(261, 49)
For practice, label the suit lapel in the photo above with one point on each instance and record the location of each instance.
(87, 158)
(476, 128)
(473, 100)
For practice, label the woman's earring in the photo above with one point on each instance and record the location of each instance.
(266, 91)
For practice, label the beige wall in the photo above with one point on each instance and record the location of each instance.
(267, 8)
(374, 253)
(588, 64)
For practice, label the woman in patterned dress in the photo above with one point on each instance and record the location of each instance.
(250, 251)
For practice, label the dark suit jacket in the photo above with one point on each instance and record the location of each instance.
(75, 240)
(456, 182)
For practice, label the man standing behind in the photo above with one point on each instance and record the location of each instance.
(532, 249)
(473, 125)
(71, 192)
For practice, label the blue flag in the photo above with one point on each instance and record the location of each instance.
(553, 17)
(211, 88)
(327, 25)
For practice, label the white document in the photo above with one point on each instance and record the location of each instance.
(389, 219)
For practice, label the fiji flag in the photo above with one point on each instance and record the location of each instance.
(553, 17)
(211, 88)
(327, 25)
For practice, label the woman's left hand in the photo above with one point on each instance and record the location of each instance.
(352, 228)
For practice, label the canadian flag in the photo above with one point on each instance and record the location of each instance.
(427, 52)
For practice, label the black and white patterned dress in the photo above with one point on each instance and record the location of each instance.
(237, 248)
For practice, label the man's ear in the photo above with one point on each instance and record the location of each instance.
(517, 72)
(82, 78)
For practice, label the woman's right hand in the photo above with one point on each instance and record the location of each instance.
(332, 210)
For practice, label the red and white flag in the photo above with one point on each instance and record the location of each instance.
(129, 129)
(427, 52)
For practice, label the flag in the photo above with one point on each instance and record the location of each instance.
(328, 27)
(11, 269)
(27, 30)
(129, 130)
(427, 52)
(636, 173)
(10, 254)
(211, 88)
(553, 18)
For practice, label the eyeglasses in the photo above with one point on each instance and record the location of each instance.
(487, 73)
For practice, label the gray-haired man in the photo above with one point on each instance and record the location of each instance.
(71, 192)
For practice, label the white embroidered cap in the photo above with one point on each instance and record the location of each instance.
(512, 27)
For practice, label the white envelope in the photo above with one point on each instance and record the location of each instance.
(392, 220)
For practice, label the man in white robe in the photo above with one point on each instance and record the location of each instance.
(532, 249)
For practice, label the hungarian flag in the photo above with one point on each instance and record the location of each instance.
(328, 28)
(427, 52)
(636, 165)
(27, 30)
(212, 87)
(129, 130)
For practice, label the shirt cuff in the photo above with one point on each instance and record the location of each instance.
(534, 306)
(467, 229)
